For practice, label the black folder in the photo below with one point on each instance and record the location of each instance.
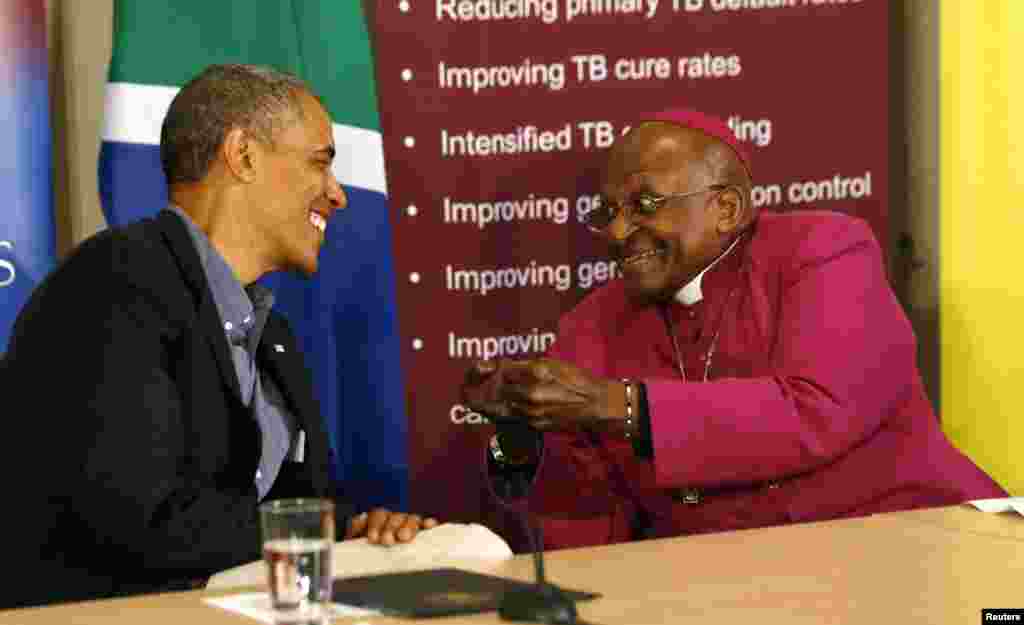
(433, 592)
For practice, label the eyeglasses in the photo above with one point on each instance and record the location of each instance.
(643, 204)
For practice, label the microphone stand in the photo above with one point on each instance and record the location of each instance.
(542, 602)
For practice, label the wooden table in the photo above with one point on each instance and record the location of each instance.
(928, 566)
(965, 519)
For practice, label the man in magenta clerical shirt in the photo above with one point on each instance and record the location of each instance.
(749, 369)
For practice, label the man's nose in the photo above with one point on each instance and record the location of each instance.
(335, 194)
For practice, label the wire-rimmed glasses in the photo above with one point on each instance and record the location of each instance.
(646, 205)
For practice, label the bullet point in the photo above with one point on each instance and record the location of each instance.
(403, 6)
(407, 74)
(417, 344)
(412, 210)
(410, 142)
(414, 277)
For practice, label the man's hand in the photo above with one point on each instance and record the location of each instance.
(549, 394)
(384, 527)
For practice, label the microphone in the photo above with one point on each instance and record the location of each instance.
(542, 602)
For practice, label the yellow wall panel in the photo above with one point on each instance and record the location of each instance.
(981, 283)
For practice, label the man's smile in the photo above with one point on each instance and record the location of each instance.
(643, 258)
(318, 221)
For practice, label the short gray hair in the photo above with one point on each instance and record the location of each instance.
(259, 100)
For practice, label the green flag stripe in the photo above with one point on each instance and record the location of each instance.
(167, 43)
(134, 114)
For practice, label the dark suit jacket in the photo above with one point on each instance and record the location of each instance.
(132, 457)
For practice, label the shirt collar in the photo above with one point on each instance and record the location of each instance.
(233, 302)
(691, 293)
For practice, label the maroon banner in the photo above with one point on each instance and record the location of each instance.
(496, 115)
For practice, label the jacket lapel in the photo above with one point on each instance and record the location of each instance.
(208, 319)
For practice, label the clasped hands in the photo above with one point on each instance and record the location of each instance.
(545, 393)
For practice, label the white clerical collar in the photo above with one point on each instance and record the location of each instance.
(691, 293)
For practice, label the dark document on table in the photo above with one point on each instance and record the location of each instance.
(433, 592)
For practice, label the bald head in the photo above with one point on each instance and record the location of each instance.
(706, 159)
(708, 124)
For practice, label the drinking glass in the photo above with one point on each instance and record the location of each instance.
(298, 537)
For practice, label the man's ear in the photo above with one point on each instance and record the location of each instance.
(238, 151)
(732, 208)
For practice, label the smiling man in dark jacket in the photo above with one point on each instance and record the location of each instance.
(161, 398)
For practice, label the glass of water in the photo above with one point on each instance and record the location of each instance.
(298, 537)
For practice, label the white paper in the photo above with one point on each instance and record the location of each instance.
(466, 546)
(1001, 504)
(257, 605)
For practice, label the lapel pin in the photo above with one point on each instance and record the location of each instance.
(279, 348)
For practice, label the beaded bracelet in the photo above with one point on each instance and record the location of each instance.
(629, 407)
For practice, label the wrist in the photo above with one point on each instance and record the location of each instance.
(622, 406)
(630, 405)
